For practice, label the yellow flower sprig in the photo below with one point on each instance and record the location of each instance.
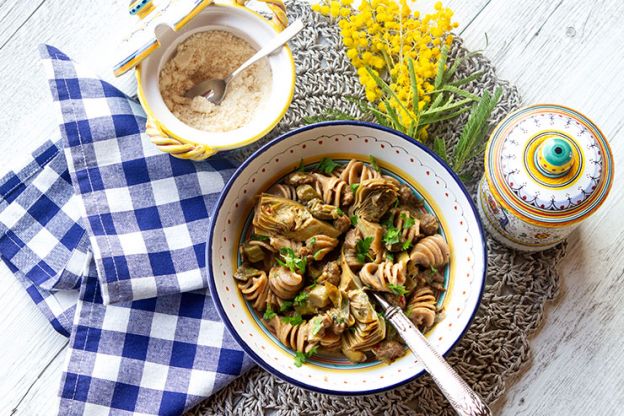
(401, 61)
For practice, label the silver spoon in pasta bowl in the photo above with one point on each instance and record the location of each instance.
(464, 400)
(214, 90)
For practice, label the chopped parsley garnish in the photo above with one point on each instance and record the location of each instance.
(327, 165)
(301, 298)
(285, 305)
(406, 245)
(407, 221)
(355, 186)
(433, 270)
(312, 241)
(354, 220)
(397, 289)
(339, 211)
(294, 263)
(391, 236)
(301, 167)
(390, 257)
(301, 357)
(316, 254)
(293, 320)
(259, 237)
(362, 247)
(269, 314)
(373, 163)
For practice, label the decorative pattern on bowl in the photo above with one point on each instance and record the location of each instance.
(412, 164)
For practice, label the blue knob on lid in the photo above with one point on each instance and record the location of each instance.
(555, 156)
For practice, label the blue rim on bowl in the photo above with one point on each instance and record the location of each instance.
(210, 270)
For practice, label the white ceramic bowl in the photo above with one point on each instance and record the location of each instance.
(245, 24)
(411, 163)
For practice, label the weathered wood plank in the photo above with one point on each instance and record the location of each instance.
(564, 52)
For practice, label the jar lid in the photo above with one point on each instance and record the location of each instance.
(549, 165)
(141, 41)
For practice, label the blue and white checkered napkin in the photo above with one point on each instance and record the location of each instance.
(107, 234)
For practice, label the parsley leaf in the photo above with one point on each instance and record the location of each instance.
(301, 357)
(327, 165)
(316, 254)
(291, 260)
(301, 167)
(355, 186)
(301, 298)
(269, 314)
(390, 256)
(354, 220)
(293, 320)
(259, 237)
(312, 241)
(433, 270)
(406, 245)
(362, 247)
(339, 211)
(397, 289)
(285, 305)
(373, 163)
(407, 221)
(391, 236)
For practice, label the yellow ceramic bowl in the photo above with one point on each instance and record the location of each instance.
(174, 136)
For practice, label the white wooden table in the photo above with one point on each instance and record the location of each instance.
(563, 51)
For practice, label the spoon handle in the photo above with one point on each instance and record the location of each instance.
(463, 399)
(275, 43)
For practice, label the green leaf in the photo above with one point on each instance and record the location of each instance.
(441, 64)
(259, 237)
(439, 146)
(312, 241)
(285, 306)
(293, 320)
(300, 359)
(468, 79)
(301, 167)
(362, 247)
(413, 86)
(386, 88)
(268, 313)
(327, 165)
(390, 256)
(475, 129)
(301, 298)
(457, 91)
(316, 254)
(391, 236)
(397, 289)
(408, 221)
(406, 245)
(354, 220)
(373, 163)
(458, 61)
(433, 270)
(339, 211)
(292, 261)
(354, 186)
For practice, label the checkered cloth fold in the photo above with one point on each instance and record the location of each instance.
(107, 235)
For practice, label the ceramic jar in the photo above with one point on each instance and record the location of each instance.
(547, 168)
(160, 27)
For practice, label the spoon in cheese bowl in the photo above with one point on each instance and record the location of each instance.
(214, 90)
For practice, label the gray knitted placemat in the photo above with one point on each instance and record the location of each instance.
(518, 285)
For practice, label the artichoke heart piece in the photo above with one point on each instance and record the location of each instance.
(373, 198)
(284, 217)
